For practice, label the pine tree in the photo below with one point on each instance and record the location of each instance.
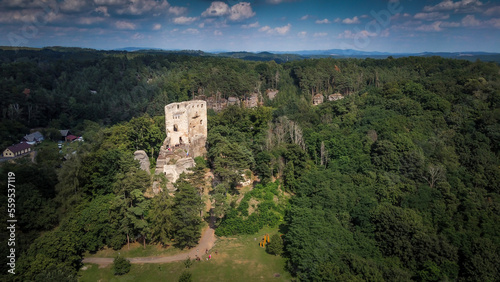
(275, 247)
(161, 218)
(187, 220)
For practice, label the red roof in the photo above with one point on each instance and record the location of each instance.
(19, 147)
(71, 137)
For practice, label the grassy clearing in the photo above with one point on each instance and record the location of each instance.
(239, 259)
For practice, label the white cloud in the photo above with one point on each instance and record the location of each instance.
(156, 26)
(191, 31)
(459, 6)
(89, 20)
(125, 25)
(305, 17)
(217, 32)
(176, 10)
(201, 25)
(320, 34)
(433, 16)
(137, 36)
(139, 7)
(265, 28)
(252, 25)
(450, 24)
(282, 30)
(470, 20)
(110, 2)
(354, 20)
(16, 16)
(494, 22)
(324, 21)
(278, 1)
(385, 33)
(241, 11)
(216, 9)
(103, 10)
(493, 11)
(72, 5)
(435, 26)
(360, 34)
(184, 20)
(302, 34)
(400, 16)
(238, 12)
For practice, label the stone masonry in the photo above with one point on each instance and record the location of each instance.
(186, 127)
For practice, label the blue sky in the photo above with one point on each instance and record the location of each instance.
(254, 25)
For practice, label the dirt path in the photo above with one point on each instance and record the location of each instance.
(206, 242)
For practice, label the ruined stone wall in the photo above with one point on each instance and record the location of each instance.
(186, 127)
(186, 124)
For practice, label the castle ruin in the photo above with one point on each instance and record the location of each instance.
(186, 124)
(186, 127)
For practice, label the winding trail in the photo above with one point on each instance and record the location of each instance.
(206, 243)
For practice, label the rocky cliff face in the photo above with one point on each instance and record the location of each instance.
(143, 159)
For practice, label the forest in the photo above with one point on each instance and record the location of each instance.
(398, 181)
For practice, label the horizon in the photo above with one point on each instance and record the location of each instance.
(388, 26)
(292, 52)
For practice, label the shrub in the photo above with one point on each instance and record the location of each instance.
(185, 276)
(121, 266)
(275, 247)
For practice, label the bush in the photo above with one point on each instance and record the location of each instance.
(275, 247)
(185, 276)
(188, 262)
(121, 266)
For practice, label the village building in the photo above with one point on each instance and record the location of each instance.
(33, 138)
(71, 138)
(318, 99)
(16, 150)
(64, 133)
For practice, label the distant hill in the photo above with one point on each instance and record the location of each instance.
(262, 56)
(277, 56)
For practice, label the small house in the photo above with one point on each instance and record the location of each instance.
(16, 150)
(33, 138)
(64, 133)
(71, 138)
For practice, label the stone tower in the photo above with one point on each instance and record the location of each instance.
(186, 125)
